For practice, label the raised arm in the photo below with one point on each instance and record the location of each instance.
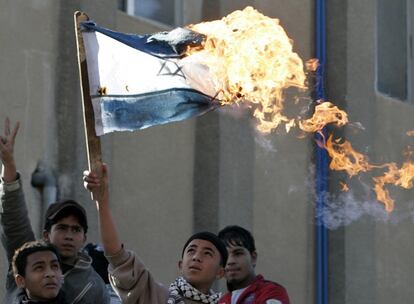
(109, 235)
(13, 212)
(127, 274)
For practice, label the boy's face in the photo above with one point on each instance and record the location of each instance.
(239, 270)
(68, 236)
(43, 277)
(200, 265)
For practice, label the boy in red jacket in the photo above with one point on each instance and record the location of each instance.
(244, 286)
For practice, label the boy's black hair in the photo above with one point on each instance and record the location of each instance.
(212, 238)
(237, 236)
(19, 260)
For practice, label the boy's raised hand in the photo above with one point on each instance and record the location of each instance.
(7, 142)
(7, 139)
(98, 186)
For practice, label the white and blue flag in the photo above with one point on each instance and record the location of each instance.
(140, 81)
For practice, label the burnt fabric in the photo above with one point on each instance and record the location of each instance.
(136, 81)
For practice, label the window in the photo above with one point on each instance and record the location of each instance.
(122, 5)
(393, 49)
(164, 11)
(410, 55)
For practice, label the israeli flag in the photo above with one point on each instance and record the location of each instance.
(141, 81)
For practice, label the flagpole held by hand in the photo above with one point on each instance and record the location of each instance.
(93, 144)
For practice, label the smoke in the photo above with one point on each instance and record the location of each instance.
(241, 113)
(236, 111)
(345, 209)
(264, 142)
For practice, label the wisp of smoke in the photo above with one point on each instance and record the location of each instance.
(345, 209)
(264, 142)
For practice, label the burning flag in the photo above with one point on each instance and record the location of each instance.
(141, 81)
(252, 61)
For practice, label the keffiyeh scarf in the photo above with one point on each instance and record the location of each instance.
(180, 289)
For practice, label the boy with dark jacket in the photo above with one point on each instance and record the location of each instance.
(65, 227)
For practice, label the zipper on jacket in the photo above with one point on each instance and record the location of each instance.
(82, 293)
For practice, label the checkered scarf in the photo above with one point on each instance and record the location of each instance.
(180, 289)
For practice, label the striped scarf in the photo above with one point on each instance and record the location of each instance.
(180, 289)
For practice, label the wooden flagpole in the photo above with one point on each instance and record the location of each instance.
(93, 143)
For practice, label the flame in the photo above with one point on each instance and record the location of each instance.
(251, 59)
(312, 64)
(406, 176)
(408, 152)
(403, 177)
(324, 114)
(345, 158)
(344, 187)
(383, 194)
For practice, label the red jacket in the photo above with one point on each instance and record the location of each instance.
(259, 292)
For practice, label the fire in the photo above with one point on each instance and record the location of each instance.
(325, 113)
(344, 187)
(345, 158)
(252, 61)
(406, 176)
(312, 64)
(383, 194)
(403, 177)
(408, 152)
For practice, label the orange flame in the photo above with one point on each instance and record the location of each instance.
(408, 152)
(312, 64)
(383, 194)
(251, 59)
(403, 177)
(406, 176)
(344, 187)
(324, 114)
(345, 158)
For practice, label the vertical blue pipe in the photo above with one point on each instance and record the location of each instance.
(321, 159)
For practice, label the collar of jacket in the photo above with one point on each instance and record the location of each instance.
(84, 261)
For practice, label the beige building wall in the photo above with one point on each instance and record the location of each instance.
(27, 89)
(167, 181)
(40, 88)
(370, 259)
(205, 173)
(226, 175)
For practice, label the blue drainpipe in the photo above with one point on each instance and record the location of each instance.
(321, 160)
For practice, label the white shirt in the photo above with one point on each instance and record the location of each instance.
(235, 294)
